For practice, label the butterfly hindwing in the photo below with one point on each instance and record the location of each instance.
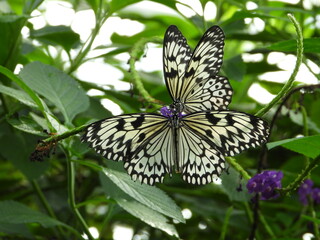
(230, 132)
(199, 162)
(150, 162)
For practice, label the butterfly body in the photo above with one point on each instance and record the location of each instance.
(195, 132)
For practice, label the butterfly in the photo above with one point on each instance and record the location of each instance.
(195, 132)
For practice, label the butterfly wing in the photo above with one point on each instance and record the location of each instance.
(230, 132)
(193, 80)
(176, 55)
(202, 88)
(143, 141)
(199, 162)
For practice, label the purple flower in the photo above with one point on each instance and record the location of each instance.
(165, 111)
(316, 195)
(305, 190)
(265, 183)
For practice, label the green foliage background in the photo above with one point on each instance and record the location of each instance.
(74, 189)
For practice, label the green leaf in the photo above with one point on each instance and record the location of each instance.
(310, 45)
(25, 87)
(58, 87)
(150, 196)
(15, 229)
(17, 213)
(17, 148)
(10, 26)
(308, 146)
(19, 95)
(234, 68)
(234, 186)
(57, 35)
(148, 215)
(26, 124)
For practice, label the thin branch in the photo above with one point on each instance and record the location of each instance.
(137, 51)
(286, 88)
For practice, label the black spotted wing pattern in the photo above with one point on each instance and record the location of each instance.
(194, 81)
(199, 162)
(176, 55)
(230, 132)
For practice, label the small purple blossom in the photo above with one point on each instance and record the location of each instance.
(305, 190)
(165, 111)
(265, 183)
(316, 195)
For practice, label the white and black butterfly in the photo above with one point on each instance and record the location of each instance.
(195, 132)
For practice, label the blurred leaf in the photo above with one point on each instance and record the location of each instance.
(26, 124)
(308, 146)
(310, 45)
(10, 26)
(56, 86)
(57, 35)
(25, 87)
(272, 87)
(148, 215)
(234, 68)
(234, 186)
(15, 229)
(19, 95)
(297, 118)
(260, 67)
(17, 148)
(150, 196)
(17, 213)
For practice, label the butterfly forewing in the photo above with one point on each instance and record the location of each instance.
(193, 80)
(230, 132)
(201, 82)
(118, 138)
(199, 162)
(176, 55)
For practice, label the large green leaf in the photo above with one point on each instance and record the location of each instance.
(150, 196)
(17, 213)
(58, 87)
(57, 35)
(308, 146)
(148, 215)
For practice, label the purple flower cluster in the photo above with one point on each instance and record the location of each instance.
(265, 183)
(167, 112)
(306, 192)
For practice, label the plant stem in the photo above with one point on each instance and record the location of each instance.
(136, 52)
(71, 194)
(238, 168)
(266, 225)
(314, 215)
(286, 88)
(46, 205)
(225, 223)
(305, 173)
